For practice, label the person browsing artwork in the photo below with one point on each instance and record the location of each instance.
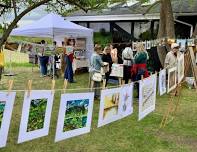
(68, 59)
(106, 57)
(127, 57)
(171, 59)
(95, 67)
(139, 69)
(43, 60)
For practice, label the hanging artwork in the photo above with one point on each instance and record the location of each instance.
(109, 106)
(181, 43)
(147, 96)
(134, 45)
(148, 45)
(127, 100)
(172, 78)
(190, 42)
(27, 48)
(181, 68)
(75, 115)
(117, 70)
(80, 44)
(6, 106)
(162, 82)
(36, 115)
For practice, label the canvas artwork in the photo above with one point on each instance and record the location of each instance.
(12, 46)
(162, 82)
(27, 48)
(117, 70)
(49, 50)
(145, 45)
(181, 68)
(181, 42)
(148, 45)
(36, 114)
(75, 115)
(109, 106)
(190, 42)
(147, 96)
(6, 106)
(80, 44)
(127, 100)
(134, 44)
(172, 78)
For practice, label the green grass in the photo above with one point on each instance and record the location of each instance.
(126, 135)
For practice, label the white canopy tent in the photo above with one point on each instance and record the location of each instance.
(55, 27)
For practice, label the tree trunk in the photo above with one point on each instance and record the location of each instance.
(166, 26)
(162, 22)
(170, 31)
(15, 21)
(195, 32)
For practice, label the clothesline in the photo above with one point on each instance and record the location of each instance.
(78, 89)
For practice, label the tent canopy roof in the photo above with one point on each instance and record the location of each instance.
(51, 26)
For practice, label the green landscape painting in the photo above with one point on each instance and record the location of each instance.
(76, 114)
(2, 108)
(36, 114)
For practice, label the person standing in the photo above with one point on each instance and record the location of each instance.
(106, 57)
(114, 53)
(68, 59)
(139, 69)
(43, 60)
(127, 57)
(95, 67)
(171, 59)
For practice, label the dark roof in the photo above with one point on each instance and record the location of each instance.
(179, 6)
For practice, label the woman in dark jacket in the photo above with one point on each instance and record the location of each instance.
(106, 57)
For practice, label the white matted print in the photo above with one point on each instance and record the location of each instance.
(109, 106)
(162, 82)
(147, 96)
(6, 106)
(127, 100)
(75, 115)
(172, 78)
(181, 68)
(36, 115)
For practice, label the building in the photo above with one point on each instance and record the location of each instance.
(126, 20)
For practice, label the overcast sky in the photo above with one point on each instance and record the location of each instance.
(28, 18)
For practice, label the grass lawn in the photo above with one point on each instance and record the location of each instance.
(126, 135)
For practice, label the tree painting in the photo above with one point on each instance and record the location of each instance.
(76, 114)
(2, 108)
(37, 114)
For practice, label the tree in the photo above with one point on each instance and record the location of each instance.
(21, 8)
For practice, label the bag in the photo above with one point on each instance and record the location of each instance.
(97, 77)
(2, 59)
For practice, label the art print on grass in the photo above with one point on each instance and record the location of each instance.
(127, 100)
(147, 96)
(2, 109)
(36, 115)
(181, 68)
(162, 82)
(110, 106)
(6, 106)
(75, 115)
(172, 78)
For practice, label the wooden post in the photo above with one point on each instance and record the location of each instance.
(29, 88)
(10, 86)
(53, 87)
(65, 85)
